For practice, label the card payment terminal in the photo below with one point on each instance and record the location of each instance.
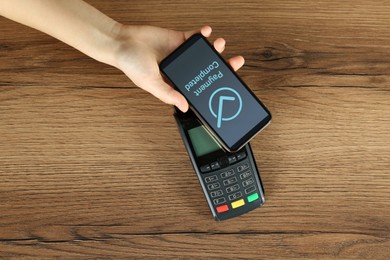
(230, 181)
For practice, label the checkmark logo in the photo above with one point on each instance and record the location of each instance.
(226, 98)
(220, 108)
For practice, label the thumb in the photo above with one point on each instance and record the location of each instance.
(167, 94)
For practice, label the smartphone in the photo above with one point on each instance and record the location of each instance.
(230, 181)
(221, 100)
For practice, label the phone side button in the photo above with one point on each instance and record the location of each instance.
(238, 203)
(222, 208)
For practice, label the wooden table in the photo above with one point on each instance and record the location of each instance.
(92, 166)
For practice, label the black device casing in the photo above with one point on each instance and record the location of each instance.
(181, 119)
(248, 136)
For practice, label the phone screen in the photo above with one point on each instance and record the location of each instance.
(222, 100)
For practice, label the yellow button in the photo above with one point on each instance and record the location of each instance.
(238, 203)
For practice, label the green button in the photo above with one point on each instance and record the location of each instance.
(253, 197)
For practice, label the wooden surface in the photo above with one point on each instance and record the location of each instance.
(92, 166)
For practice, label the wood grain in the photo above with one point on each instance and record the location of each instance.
(92, 166)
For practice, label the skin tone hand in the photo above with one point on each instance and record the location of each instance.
(136, 50)
(139, 58)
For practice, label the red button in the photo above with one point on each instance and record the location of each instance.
(222, 208)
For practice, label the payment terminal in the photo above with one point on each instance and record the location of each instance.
(230, 181)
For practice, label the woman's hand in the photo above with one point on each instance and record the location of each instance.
(136, 50)
(141, 49)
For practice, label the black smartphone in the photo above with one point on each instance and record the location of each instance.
(230, 181)
(222, 101)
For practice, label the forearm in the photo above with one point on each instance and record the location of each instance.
(72, 21)
(136, 50)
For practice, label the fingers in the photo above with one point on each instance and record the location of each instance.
(219, 45)
(168, 95)
(236, 62)
(205, 31)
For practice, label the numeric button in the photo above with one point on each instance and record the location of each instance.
(219, 201)
(213, 186)
(217, 193)
(242, 167)
(230, 181)
(235, 195)
(245, 175)
(227, 174)
(248, 182)
(211, 178)
(232, 188)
